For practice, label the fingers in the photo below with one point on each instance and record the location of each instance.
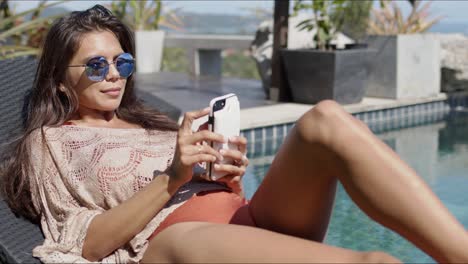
(239, 158)
(186, 126)
(230, 169)
(241, 142)
(233, 182)
(190, 160)
(230, 179)
(201, 149)
(205, 135)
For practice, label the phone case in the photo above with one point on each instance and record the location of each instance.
(225, 120)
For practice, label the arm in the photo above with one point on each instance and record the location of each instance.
(113, 228)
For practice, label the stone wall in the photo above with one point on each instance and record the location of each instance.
(454, 62)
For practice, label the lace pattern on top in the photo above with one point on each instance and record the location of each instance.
(80, 172)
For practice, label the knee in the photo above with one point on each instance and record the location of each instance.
(378, 257)
(321, 122)
(327, 109)
(328, 123)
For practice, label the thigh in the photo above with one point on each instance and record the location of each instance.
(297, 194)
(296, 197)
(196, 242)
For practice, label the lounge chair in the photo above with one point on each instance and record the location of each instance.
(19, 236)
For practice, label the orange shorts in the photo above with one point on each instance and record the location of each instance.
(218, 206)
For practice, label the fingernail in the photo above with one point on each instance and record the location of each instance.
(222, 151)
(206, 109)
(233, 138)
(216, 166)
(221, 158)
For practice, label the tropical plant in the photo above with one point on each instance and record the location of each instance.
(326, 28)
(353, 20)
(146, 14)
(389, 19)
(20, 36)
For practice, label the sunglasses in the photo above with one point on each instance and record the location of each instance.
(97, 68)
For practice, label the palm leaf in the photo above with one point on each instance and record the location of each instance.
(173, 16)
(19, 54)
(398, 18)
(305, 22)
(26, 26)
(425, 7)
(414, 9)
(389, 20)
(425, 27)
(13, 18)
(375, 29)
(4, 48)
(39, 9)
(157, 14)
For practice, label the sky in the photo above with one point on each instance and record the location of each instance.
(212, 6)
(453, 11)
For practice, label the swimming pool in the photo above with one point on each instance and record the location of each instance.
(437, 151)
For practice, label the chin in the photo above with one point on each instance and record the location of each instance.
(109, 107)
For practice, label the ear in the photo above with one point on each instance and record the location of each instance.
(62, 88)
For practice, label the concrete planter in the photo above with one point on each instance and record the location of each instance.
(315, 75)
(149, 50)
(404, 66)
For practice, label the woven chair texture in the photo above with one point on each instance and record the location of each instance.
(18, 236)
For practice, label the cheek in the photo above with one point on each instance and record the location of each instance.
(87, 94)
(78, 80)
(73, 74)
(123, 84)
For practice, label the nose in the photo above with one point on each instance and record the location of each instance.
(113, 73)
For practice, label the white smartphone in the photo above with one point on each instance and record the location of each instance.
(224, 119)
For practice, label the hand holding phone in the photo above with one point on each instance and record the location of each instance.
(224, 119)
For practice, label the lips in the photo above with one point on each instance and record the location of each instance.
(112, 91)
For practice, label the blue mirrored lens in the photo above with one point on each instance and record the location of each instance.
(125, 64)
(97, 69)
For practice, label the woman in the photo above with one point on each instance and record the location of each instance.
(113, 181)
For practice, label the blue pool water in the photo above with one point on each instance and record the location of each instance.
(437, 151)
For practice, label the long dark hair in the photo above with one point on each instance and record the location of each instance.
(49, 106)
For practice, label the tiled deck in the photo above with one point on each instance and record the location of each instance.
(188, 93)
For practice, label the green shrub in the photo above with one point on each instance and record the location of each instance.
(236, 64)
(175, 60)
(239, 65)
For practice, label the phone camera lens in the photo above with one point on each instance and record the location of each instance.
(219, 105)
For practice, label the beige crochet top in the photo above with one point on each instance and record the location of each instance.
(79, 172)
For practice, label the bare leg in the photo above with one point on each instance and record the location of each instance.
(198, 242)
(327, 144)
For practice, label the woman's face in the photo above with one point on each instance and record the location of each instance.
(96, 97)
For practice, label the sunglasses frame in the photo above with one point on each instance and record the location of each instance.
(106, 68)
